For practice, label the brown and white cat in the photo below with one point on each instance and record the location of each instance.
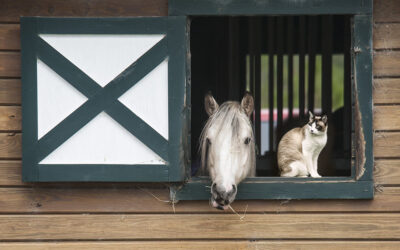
(299, 148)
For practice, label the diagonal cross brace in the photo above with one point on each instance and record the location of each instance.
(102, 99)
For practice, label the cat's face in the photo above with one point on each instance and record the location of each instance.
(317, 125)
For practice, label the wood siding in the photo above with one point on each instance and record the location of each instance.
(125, 215)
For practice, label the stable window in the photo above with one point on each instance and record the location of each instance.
(121, 99)
(293, 57)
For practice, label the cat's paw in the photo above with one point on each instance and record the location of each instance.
(315, 175)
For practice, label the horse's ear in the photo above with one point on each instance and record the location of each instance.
(210, 104)
(248, 103)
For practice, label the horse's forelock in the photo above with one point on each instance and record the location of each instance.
(229, 115)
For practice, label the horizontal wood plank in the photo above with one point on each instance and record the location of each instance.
(10, 145)
(71, 199)
(10, 173)
(386, 117)
(208, 244)
(386, 11)
(10, 91)
(386, 144)
(10, 64)
(200, 226)
(387, 172)
(386, 90)
(12, 9)
(387, 36)
(10, 118)
(387, 63)
(9, 37)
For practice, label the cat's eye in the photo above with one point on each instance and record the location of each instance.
(247, 140)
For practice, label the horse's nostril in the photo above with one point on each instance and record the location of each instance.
(234, 188)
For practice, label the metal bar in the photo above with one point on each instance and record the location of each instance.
(327, 44)
(347, 89)
(233, 61)
(257, 80)
(290, 31)
(251, 54)
(280, 49)
(302, 48)
(312, 43)
(271, 26)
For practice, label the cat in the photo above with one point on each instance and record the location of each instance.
(299, 148)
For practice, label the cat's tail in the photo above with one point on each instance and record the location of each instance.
(294, 169)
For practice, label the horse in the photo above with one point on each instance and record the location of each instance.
(227, 147)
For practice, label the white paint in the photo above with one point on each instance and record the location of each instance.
(56, 98)
(102, 57)
(148, 99)
(312, 146)
(103, 141)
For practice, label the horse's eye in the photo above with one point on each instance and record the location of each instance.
(208, 141)
(247, 140)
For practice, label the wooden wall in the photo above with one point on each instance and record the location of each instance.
(122, 216)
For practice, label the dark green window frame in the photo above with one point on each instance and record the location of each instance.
(360, 184)
(104, 99)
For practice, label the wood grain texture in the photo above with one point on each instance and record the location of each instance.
(387, 172)
(9, 37)
(12, 9)
(386, 11)
(386, 144)
(10, 145)
(206, 245)
(387, 63)
(200, 226)
(10, 64)
(10, 91)
(10, 118)
(70, 199)
(386, 90)
(10, 173)
(386, 117)
(387, 36)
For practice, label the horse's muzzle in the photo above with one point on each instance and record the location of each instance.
(221, 198)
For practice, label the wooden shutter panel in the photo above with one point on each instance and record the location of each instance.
(103, 99)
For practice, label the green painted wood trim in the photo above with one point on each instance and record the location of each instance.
(268, 7)
(104, 99)
(200, 190)
(101, 25)
(178, 98)
(29, 99)
(102, 173)
(363, 77)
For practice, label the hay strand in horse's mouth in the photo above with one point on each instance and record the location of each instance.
(240, 217)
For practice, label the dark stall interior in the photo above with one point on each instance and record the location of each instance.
(291, 64)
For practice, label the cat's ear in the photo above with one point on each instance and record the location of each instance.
(248, 104)
(210, 104)
(311, 116)
(325, 119)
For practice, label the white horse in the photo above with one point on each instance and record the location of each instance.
(227, 147)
